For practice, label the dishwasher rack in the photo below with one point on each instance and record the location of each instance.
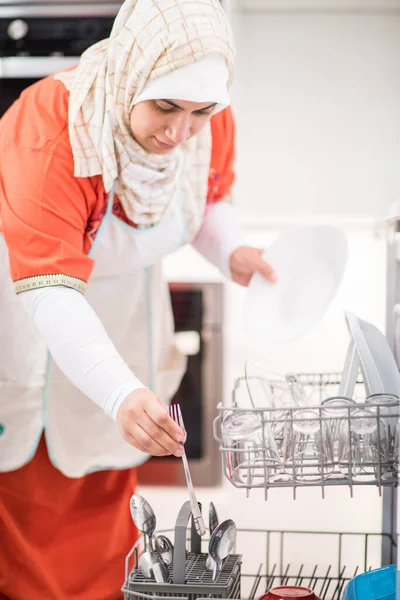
(274, 463)
(270, 559)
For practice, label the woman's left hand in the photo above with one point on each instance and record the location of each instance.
(245, 261)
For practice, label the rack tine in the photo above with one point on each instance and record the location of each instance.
(286, 577)
(324, 597)
(256, 583)
(341, 585)
(270, 578)
(313, 576)
(336, 593)
(325, 581)
(299, 577)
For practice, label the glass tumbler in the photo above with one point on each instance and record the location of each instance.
(370, 439)
(307, 449)
(273, 390)
(242, 439)
(387, 406)
(337, 410)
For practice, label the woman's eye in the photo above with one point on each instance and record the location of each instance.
(165, 110)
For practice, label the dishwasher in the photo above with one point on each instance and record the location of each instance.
(339, 429)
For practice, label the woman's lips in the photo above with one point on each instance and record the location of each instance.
(163, 145)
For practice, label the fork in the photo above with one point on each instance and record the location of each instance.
(176, 414)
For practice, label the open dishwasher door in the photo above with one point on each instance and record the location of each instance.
(392, 232)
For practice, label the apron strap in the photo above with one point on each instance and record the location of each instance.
(111, 200)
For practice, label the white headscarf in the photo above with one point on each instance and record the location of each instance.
(149, 39)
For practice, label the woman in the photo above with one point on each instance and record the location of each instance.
(103, 171)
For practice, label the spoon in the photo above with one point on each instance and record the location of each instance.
(146, 564)
(221, 543)
(151, 567)
(212, 524)
(212, 518)
(145, 520)
(164, 548)
(143, 516)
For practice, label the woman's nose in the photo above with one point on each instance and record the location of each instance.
(178, 130)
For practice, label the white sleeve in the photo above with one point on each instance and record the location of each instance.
(80, 346)
(219, 235)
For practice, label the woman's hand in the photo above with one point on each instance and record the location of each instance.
(245, 261)
(145, 424)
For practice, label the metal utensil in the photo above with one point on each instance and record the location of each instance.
(212, 524)
(145, 520)
(221, 543)
(146, 564)
(151, 567)
(160, 570)
(212, 518)
(143, 516)
(176, 415)
(164, 548)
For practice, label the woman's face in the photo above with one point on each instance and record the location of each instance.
(159, 126)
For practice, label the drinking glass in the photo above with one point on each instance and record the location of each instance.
(242, 435)
(273, 390)
(307, 447)
(339, 409)
(252, 453)
(370, 439)
(387, 407)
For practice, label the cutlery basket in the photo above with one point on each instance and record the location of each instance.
(324, 561)
(188, 576)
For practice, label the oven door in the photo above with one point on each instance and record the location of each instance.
(198, 313)
(17, 73)
(41, 39)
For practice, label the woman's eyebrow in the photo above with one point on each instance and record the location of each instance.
(180, 107)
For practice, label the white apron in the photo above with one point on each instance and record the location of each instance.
(129, 295)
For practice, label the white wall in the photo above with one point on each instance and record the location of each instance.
(317, 105)
(317, 99)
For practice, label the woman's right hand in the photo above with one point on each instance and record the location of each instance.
(145, 424)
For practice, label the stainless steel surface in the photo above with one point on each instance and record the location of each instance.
(16, 67)
(197, 517)
(143, 516)
(92, 3)
(222, 543)
(212, 524)
(70, 8)
(206, 470)
(160, 571)
(212, 518)
(164, 548)
(146, 564)
(145, 520)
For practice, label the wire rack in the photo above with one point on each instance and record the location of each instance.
(288, 454)
(270, 558)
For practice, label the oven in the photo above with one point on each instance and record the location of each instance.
(38, 39)
(199, 313)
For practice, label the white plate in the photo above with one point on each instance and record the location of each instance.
(310, 263)
(380, 372)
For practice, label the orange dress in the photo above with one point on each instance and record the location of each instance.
(63, 538)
